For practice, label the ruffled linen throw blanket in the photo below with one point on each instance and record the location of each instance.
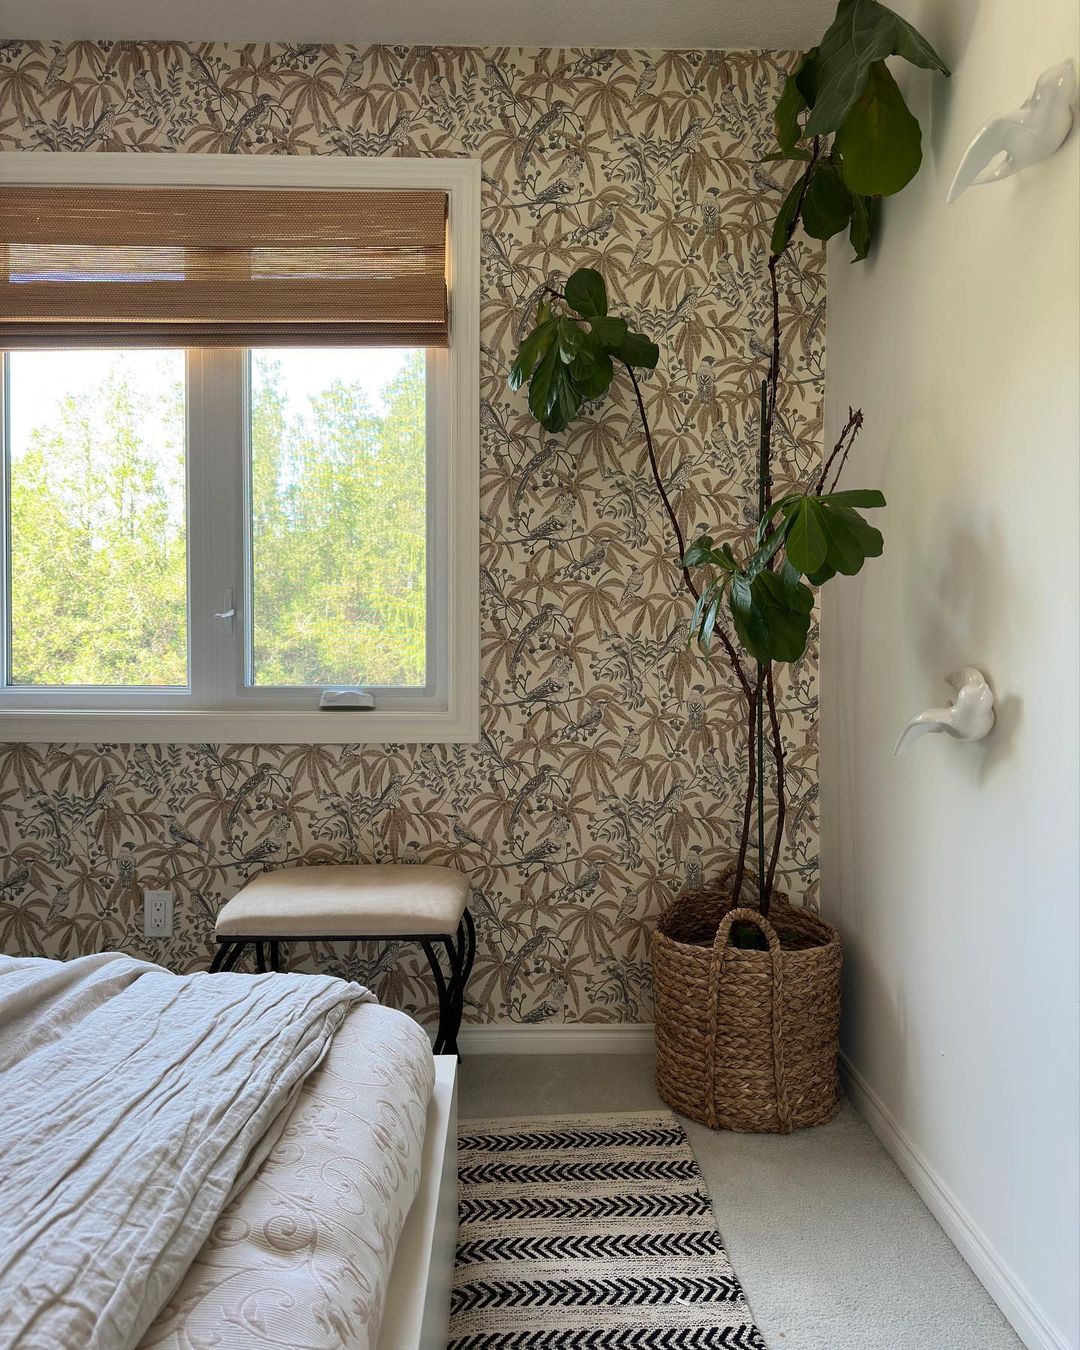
(133, 1104)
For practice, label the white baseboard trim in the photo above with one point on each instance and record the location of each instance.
(1025, 1316)
(571, 1038)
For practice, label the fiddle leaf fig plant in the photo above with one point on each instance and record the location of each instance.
(569, 358)
(841, 116)
(844, 88)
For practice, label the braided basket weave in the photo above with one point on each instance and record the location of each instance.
(746, 1040)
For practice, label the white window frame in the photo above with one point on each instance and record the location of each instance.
(210, 710)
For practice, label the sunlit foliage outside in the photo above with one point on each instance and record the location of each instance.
(98, 537)
(339, 530)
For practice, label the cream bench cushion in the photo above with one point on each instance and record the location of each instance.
(347, 900)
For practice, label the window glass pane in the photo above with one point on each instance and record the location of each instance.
(97, 518)
(338, 466)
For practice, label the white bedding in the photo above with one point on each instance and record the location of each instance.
(134, 1104)
(301, 1258)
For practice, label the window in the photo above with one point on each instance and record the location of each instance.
(240, 458)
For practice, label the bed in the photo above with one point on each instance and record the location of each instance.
(305, 1183)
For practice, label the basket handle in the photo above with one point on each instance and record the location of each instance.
(716, 975)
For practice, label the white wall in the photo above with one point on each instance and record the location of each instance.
(952, 871)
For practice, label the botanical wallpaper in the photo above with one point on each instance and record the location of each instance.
(609, 770)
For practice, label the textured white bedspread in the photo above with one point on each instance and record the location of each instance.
(300, 1259)
(133, 1104)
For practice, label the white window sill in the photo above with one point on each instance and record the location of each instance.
(240, 728)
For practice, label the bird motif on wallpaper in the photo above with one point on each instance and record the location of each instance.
(184, 838)
(581, 569)
(255, 120)
(464, 835)
(354, 73)
(57, 66)
(635, 579)
(630, 747)
(646, 80)
(102, 128)
(587, 725)
(497, 81)
(558, 112)
(543, 619)
(250, 787)
(13, 883)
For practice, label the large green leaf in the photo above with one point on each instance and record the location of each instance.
(592, 374)
(531, 351)
(807, 543)
(854, 497)
(806, 77)
(880, 141)
(862, 32)
(826, 535)
(851, 539)
(781, 232)
(586, 292)
(702, 552)
(609, 333)
(573, 340)
(553, 397)
(771, 613)
(637, 350)
(789, 108)
(827, 205)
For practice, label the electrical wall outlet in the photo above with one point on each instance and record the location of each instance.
(157, 914)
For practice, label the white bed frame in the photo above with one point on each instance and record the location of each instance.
(417, 1312)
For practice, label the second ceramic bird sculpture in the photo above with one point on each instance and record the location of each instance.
(1030, 133)
(969, 717)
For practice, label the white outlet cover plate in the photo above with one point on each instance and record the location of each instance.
(157, 913)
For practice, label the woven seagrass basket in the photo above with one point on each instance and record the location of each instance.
(746, 1040)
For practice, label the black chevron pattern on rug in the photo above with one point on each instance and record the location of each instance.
(617, 1338)
(661, 1205)
(590, 1233)
(619, 1292)
(558, 1173)
(538, 1140)
(589, 1246)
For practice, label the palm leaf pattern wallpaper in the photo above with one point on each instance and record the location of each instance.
(609, 770)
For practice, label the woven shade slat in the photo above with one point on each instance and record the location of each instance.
(188, 267)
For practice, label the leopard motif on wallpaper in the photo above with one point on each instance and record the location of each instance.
(608, 773)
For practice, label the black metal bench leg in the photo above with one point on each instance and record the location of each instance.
(454, 953)
(470, 950)
(275, 956)
(222, 952)
(462, 959)
(260, 958)
(235, 953)
(443, 992)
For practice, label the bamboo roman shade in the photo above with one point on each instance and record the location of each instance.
(211, 267)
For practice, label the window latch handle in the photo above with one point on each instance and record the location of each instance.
(227, 612)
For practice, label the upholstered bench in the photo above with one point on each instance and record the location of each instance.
(346, 903)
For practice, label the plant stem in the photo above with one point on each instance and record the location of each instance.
(843, 444)
(781, 804)
(764, 482)
(728, 645)
(751, 787)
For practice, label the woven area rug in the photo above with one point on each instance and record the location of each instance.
(590, 1231)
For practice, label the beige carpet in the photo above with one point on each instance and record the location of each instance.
(590, 1231)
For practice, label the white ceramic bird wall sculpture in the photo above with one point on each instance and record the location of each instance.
(1033, 132)
(969, 717)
